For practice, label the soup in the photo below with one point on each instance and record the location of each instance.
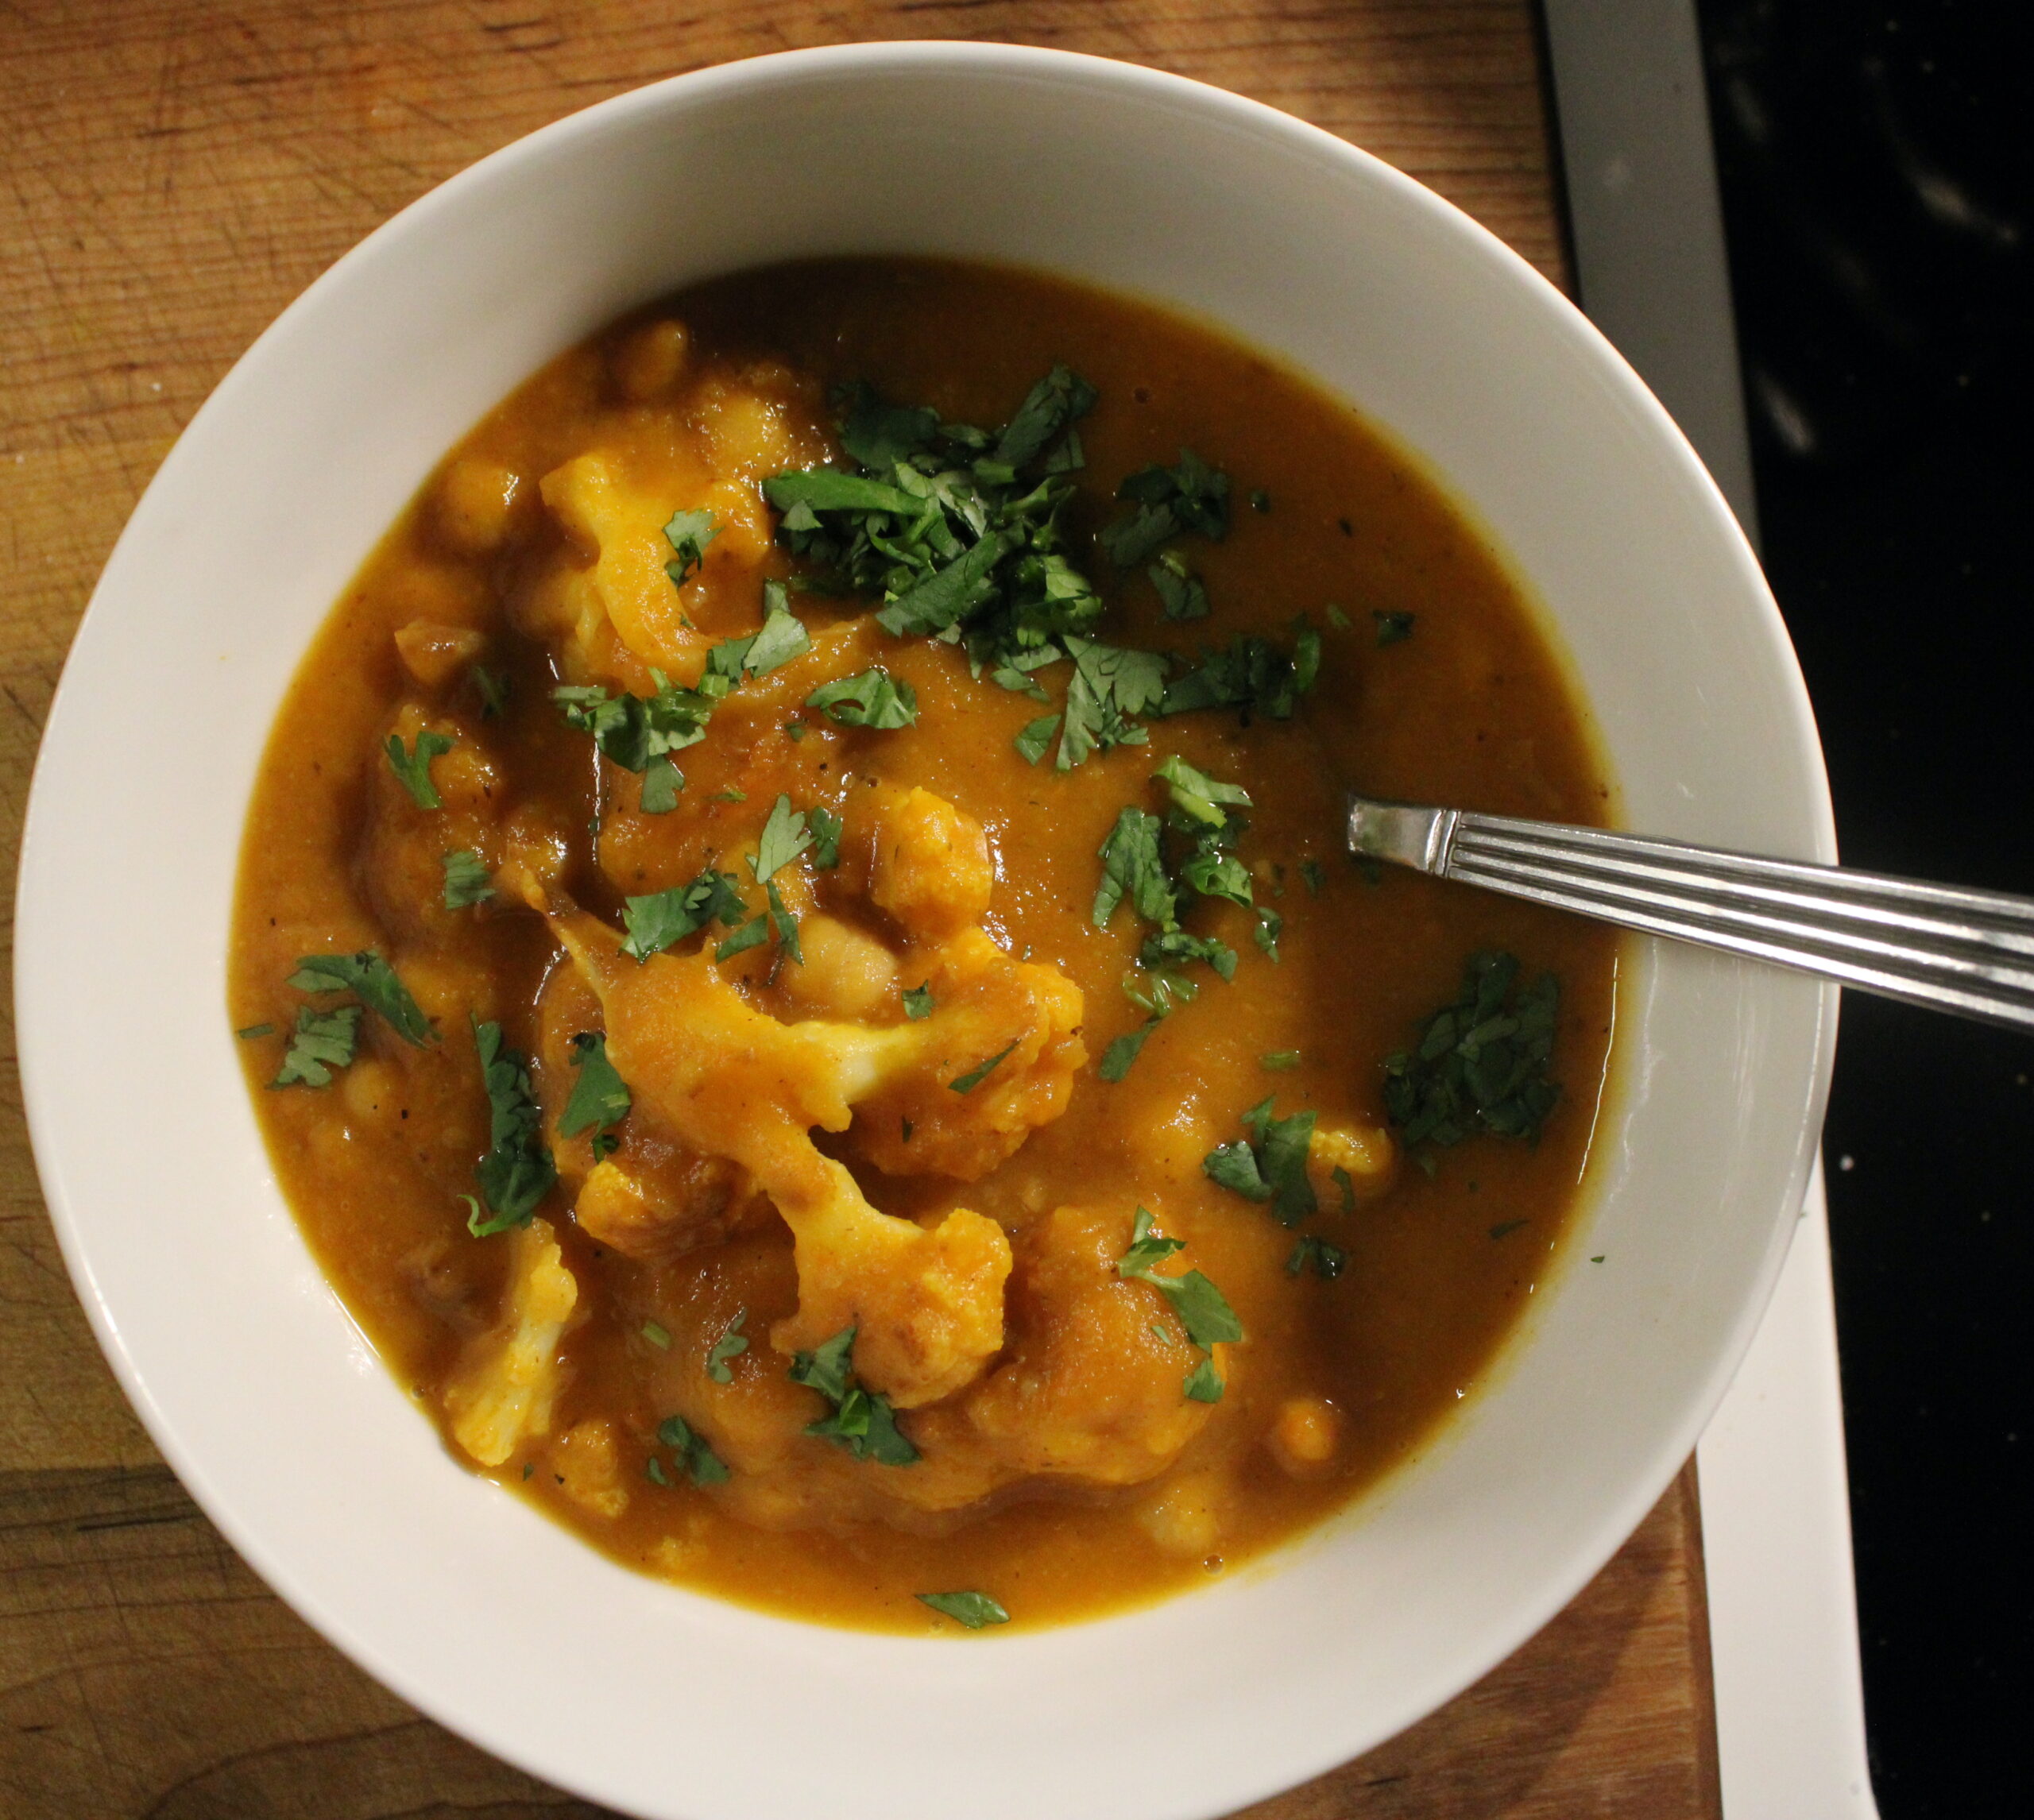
(799, 974)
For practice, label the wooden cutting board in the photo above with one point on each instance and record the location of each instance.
(176, 171)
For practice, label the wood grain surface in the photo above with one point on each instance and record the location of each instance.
(172, 173)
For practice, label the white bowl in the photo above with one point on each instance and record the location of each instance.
(242, 1361)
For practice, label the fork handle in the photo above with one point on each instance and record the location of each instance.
(1967, 952)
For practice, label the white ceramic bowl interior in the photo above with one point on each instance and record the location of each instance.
(242, 1361)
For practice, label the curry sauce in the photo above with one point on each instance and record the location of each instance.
(824, 1128)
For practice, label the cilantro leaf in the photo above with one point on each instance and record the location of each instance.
(688, 534)
(1166, 501)
(466, 880)
(1202, 1309)
(1481, 1063)
(1251, 675)
(517, 1173)
(732, 1344)
(1116, 1059)
(1216, 875)
(1111, 686)
(412, 767)
(661, 781)
(599, 1096)
(1203, 1383)
(1316, 880)
(950, 592)
(1057, 401)
(873, 699)
(1270, 926)
(1181, 593)
(782, 637)
(248, 1032)
(1326, 1260)
(1037, 735)
(751, 934)
(492, 685)
(371, 980)
(654, 923)
(1272, 1167)
(877, 434)
(1279, 1061)
(975, 1077)
(863, 1423)
(918, 1001)
(970, 1610)
(632, 731)
(694, 1452)
(784, 838)
(1393, 627)
(1134, 866)
(1174, 947)
(783, 924)
(321, 1042)
(1200, 799)
(829, 489)
(826, 827)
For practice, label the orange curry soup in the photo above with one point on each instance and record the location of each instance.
(734, 1166)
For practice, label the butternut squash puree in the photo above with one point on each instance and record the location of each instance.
(766, 1166)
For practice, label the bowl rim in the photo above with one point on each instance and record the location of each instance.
(785, 69)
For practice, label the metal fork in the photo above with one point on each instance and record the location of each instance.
(1967, 952)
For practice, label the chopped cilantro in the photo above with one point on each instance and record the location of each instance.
(783, 924)
(784, 838)
(412, 767)
(1597, 1259)
(1271, 1167)
(1118, 1056)
(795, 731)
(1174, 947)
(1324, 1260)
(661, 781)
(1181, 593)
(782, 637)
(975, 1077)
(1280, 1061)
(1134, 866)
(1336, 617)
(751, 934)
(632, 731)
(688, 534)
(1037, 736)
(970, 1610)
(1200, 801)
(657, 1336)
(1054, 403)
(865, 1425)
(732, 1344)
(826, 826)
(918, 1001)
(1158, 990)
(374, 981)
(1392, 626)
(517, 1173)
(1218, 874)
(730, 794)
(247, 1032)
(466, 878)
(694, 1453)
(1479, 1064)
(1110, 687)
(1505, 1228)
(873, 699)
(653, 1470)
(654, 923)
(1166, 501)
(599, 1096)
(321, 1042)
(1260, 500)
(1202, 1309)
(1270, 926)
(1252, 675)
(492, 686)
(1203, 1383)
(1348, 1189)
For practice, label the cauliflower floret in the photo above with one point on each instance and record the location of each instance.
(734, 1083)
(508, 1381)
(1366, 1156)
(624, 593)
(932, 869)
(1094, 1386)
(402, 864)
(1018, 1020)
